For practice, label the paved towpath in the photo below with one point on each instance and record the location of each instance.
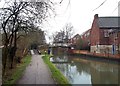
(37, 72)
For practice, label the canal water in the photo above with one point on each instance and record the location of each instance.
(86, 70)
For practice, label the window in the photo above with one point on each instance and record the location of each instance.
(106, 33)
(116, 36)
(88, 33)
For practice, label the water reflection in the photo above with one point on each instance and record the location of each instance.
(84, 71)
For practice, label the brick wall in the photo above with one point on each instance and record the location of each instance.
(103, 39)
(95, 32)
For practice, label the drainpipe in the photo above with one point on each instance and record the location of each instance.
(108, 52)
(118, 42)
(108, 49)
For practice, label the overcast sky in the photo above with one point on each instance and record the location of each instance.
(80, 13)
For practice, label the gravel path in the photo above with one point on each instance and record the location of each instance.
(37, 72)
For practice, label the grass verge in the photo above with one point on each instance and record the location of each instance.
(56, 74)
(18, 71)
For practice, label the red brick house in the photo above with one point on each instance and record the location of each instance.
(86, 39)
(74, 39)
(105, 35)
(81, 41)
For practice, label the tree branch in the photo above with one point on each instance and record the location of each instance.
(20, 36)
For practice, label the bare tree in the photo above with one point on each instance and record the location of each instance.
(68, 29)
(26, 41)
(20, 16)
(63, 35)
(58, 37)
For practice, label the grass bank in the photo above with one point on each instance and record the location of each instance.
(56, 74)
(17, 72)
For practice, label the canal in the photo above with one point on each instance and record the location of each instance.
(86, 70)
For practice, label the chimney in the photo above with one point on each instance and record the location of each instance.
(95, 16)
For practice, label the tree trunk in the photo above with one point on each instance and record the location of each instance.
(12, 55)
(14, 48)
(4, 57)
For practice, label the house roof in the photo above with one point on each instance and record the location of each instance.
(77, 35)
(85, 32)
(109, 22)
